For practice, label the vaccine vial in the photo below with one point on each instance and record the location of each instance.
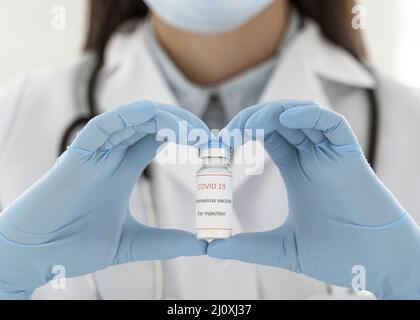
(214, 193)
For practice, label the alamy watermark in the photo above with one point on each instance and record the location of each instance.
(58, 282)
(359, 21)
(59, 17)
(358, 282)
(248, 146)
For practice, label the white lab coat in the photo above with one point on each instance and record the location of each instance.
(35, 110)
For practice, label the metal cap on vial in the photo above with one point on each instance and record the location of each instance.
(214, 150)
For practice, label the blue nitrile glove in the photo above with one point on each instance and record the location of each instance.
(77, 215)
(342, 222)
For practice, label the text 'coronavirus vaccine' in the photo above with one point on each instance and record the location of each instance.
(213, 214)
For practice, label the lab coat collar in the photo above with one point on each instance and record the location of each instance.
(130, 74)
(308, 61)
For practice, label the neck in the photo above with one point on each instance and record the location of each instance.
(211, 59)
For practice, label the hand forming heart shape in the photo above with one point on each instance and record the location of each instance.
(341, 215)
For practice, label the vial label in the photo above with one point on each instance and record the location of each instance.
(214, 204)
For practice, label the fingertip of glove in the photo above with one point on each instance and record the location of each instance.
(193, 246)
(300, 117)
(202, 247)
(138, 112)
(219, 249)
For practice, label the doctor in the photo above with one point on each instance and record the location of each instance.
(214, 60)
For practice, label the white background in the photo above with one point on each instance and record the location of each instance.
(28, 41)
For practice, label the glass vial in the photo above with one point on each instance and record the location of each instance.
(214, 194)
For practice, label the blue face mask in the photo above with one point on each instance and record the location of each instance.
(207, 16)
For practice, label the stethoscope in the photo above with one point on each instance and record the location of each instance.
(148, 199)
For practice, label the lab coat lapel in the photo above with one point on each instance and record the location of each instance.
(131, 74)
(295, 77)
(307, 62)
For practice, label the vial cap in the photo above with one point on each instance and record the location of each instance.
(214, 149)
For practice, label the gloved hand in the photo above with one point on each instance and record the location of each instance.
(77, 215)
(341, 220)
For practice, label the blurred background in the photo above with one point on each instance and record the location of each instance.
(29, 40)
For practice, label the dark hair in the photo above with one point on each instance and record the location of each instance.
(105, 16)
